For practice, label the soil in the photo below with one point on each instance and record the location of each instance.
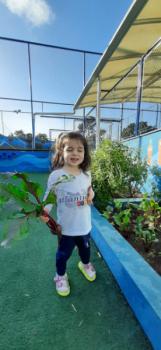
(151, 254)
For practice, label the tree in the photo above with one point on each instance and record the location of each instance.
(20, 134)
(130, 129)
(42, 138)
(10, 137)
(28, 137)
(80, 127)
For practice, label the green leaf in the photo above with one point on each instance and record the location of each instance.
(139, 219)
(3, 200)
(38, 209)
(64, 178)
(23, 231)
(33, 188)
(51, 199)
(21, 197)
(28, 207)
(126, 220)
(106, 215)
(118, 204)
(21, 176)
(15, 191)
(17, 215)
(29, 186)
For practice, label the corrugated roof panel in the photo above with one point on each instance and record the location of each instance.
(138, 32)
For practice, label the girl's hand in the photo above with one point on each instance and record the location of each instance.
(90, 195)
(45, 217)
(59, 229)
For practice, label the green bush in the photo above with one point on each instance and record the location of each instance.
(117, 171)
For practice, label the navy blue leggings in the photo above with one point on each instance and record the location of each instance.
(65, 248)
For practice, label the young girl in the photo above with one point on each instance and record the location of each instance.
(73, 206)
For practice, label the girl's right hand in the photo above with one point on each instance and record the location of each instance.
(44, 217)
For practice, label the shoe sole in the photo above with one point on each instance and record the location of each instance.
(90, 279)
(63, 294)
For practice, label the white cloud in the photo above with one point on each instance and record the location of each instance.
(38, 12)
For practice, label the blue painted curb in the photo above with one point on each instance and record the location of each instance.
(140, 284)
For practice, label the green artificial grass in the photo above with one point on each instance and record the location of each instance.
(33, 317)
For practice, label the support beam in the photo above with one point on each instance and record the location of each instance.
(98, 113)
(121, 123)
(139, 95)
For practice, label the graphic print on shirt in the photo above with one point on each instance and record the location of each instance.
(71, 200)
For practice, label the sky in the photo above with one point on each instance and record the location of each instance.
(56, 75)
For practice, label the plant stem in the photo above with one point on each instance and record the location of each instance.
(54, 227)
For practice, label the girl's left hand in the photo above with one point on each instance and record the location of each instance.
(90, 195)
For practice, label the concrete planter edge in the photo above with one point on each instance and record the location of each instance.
(140, 284)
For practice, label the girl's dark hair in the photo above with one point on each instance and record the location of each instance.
(58, 161)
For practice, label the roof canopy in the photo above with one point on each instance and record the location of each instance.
(138, 32)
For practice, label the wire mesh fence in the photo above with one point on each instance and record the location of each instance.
(37, 81)
(32, 96)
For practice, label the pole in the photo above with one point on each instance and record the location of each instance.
(121, 123)
(31, 99)
(84, 82)
(139, 95)
(2, 122)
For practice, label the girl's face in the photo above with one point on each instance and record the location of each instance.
(73, 153)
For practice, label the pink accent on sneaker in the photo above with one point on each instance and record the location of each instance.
(88, 271)
(89, 267)
(62, 285)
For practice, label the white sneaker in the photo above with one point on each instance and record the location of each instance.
(62, 285)
(88, 271)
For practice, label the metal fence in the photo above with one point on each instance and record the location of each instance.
(38, 87)
(40, 83)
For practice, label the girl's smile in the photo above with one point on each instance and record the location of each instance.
(74, 160)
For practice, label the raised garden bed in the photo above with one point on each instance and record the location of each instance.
(153, 256)
(139, 222)
(140, 284)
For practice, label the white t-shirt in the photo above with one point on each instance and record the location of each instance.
(73, 212)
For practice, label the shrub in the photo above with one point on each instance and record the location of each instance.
(117, 171)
